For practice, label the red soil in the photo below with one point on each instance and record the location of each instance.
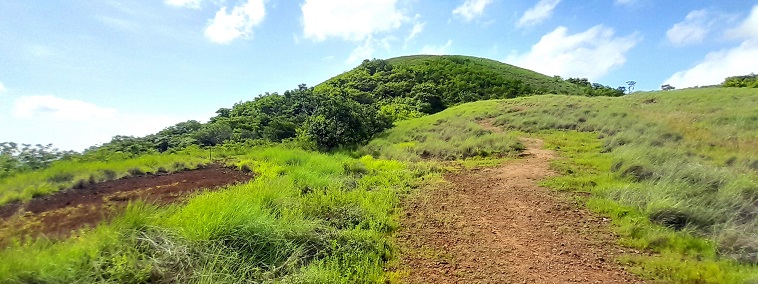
(497, 225)
(59, 214)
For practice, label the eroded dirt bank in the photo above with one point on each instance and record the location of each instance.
(58, 214)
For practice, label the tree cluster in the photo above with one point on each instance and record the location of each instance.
(15, 158)
(323, 122)
(745, 81)
(597, 89)
(418, 85)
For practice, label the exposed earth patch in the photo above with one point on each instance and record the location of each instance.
(59, 214)
(496, 225)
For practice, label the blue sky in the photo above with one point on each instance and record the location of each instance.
(77, 72)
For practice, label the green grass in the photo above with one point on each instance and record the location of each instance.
(681, 256)
(676, 171)
(537, 81)
(442, 136)
(67, 174)
(305, 218)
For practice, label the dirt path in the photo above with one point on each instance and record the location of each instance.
(497, 226)
(57, 215)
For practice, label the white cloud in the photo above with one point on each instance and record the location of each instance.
(349, 19)
(76, 125)
(749, 27)
(718, 65)
(239, 22)
(540, 12)
(367, 48)
(589, 54)
(437, 49)
(2, 88)
(471, 9)
(693, 29)
(194, 4)
(416, 30)
(58, 108)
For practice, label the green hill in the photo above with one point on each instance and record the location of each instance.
(411, 86)
(350, 108)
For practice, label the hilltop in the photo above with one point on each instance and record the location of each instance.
(410, 86)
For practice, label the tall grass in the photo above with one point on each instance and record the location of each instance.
(678, 170)
(67, 174)
(442, 136)
(687, 155)
(306, 218)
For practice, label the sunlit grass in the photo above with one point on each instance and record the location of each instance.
(676, 171)
(442, 136)
(306, 217)
(68, 174)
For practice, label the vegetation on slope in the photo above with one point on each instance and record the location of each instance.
(441, 137)
(70, 173)
(676, 170)
(343, 112)
(412, 86)
(745, 81)
(306, 218)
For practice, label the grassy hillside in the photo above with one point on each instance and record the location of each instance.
(306, 218)
(342, 112)
(411, 86)
(677, 171)
(474, 66)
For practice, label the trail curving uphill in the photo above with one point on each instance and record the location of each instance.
(497, 225)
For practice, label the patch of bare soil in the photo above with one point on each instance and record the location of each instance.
(59, 214)
(497, 225)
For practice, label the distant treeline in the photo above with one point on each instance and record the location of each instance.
(745, 81)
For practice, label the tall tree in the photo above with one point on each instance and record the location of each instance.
(631, 86)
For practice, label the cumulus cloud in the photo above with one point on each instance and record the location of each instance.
(538, 13)
(227, 26)
(194, 4)
(437, 49)
(471, 9)
(589, 54)
(749, 27)
(717, 65)
(416, 30)
(2, 88)
(58, 108)
(76, 125)
(367, 48)
(694, 28)
(349, 19)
